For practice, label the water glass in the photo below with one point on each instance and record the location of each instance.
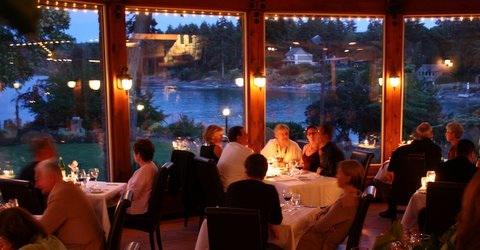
(296, 198)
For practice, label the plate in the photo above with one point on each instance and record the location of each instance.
(96, 191)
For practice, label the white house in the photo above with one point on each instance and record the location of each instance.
(297, 56)
(430, 72)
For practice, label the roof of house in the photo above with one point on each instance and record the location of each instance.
(296, 51)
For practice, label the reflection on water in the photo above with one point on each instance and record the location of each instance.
(205, 104)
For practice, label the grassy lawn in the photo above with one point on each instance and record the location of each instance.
(88, 155)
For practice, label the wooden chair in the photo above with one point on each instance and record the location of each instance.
(234, 228)
(356, 229)
(150, 221)
(182, 178)
(115, 234)
(28, 197)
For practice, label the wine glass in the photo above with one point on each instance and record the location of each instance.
(94, 175)
(83, 177)
(287, 196)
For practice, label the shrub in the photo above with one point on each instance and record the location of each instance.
(185, 127)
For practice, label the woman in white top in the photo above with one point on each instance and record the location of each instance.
(282, 148)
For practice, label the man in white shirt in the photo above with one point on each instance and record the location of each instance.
(231, 163)
(141, 181)
(282, 148)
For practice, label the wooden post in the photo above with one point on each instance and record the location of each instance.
(115, 58)
(392, 97)
(255, 97)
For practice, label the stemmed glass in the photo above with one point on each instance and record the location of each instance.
(296, 198)
(83, 177)
(287, 196)
(94, 175)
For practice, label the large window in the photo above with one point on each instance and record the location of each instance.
(184, 66)
(53, 86)
(326, 70)
(442, 75)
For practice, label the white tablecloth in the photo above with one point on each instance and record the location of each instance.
(315, 190)
(101, 201)
(415, 205)
(295, 223)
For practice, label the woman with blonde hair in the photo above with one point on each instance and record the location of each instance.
(469, 217)
(333, 222)
(212, 149)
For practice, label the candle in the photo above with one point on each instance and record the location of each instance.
(365, 142)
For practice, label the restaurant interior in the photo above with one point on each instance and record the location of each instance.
(259, 124)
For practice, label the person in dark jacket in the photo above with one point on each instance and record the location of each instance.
(253, 193)
(408, 164)
(330, 154)
(462, 167)
(42, 148)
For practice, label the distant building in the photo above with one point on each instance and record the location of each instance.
(430, 72)
(298, 56)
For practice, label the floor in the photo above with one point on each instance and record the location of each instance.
(176, 237)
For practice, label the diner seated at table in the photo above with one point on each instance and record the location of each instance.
(69, 215)
(330, 154)
(453, 134)
(253, 193)
(333, 222)
(141, 182)
(20, 230)
(462, 167)
(212, 149)
(281, 147)
(310, 152)
(406, 177)
(42, 148)
(231, 165)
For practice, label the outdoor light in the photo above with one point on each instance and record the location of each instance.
(260, 81)
(94, 84)
(448, 63)
(380, 81)
(140, 107)
(71, 84)
(394, 81)
(17, 85)
(226, 112)
(239, 81)
(126, 81)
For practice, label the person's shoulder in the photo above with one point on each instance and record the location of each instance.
(350, 200)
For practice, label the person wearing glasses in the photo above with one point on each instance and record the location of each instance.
(310, 152)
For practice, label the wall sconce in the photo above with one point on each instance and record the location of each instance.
(17, 85)
(239, 81)
(380, 81)
(94, 84)
(394, 81)
(448, 63)
(126, 81)
(71, 84)
(260, 81)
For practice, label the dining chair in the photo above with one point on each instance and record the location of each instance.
(115, 234)
(364, 158)
(150, 221)
(444, 201)
(28, 197)
(182, 179)
(234, 228)
(210, 186)
(355, 231)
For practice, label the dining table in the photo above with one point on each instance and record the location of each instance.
(315, 190)
(296, 221)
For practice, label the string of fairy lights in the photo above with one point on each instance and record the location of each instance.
(66, 6)
(182, 13)
(306, 18)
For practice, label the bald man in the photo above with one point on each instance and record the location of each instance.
(69, 216)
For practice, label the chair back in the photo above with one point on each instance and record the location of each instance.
(156, 198)
(357, 225)
(181, 172)
(407, 178)
(28, 197)
(210, 185)
(115, 234)
(364, 158)
(444, 201)
(234, 228)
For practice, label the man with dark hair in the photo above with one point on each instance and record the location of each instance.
(330, 154)
(253, 193)
(42, 148)
(69, 215)
(141, 182)
(230, 165)
(462, 167)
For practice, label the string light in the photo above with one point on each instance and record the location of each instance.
(67, 6)
(441, 18)
(306, 18)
